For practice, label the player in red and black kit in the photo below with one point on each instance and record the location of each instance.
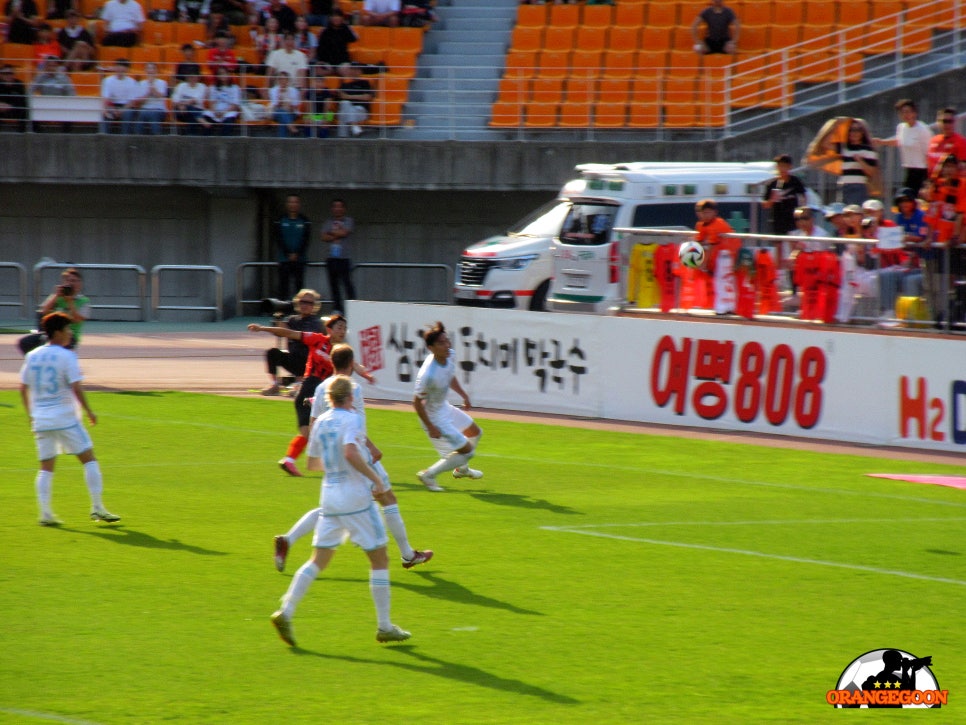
(318, 367)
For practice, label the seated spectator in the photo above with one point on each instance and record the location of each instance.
(235, 11)
(317, 12)
(287, 60)
(58, 9)
(45, 45)
(321, 103)
(381, 12)
(217, 23)
(188, 101)
(153, 110)
(22, 21)
(419, 13)
(334, 40)
(268, 40)
(305, 41)
(120, 94)
(52, 80)
(221, 55)
(76, 43)
(834, 215)
(285, 104)
(722, 29)
(282, 13)
(193, 11)
(13, 100)
(355, 95)
(188, 65)
(224, 105)
(124, 20)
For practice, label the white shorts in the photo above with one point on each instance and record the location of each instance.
(364, 529)
(72, 441)
(451, 421)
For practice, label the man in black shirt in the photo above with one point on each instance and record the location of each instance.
(783, 195)
(13, 99)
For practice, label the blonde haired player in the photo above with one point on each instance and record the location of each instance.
(348, 511)
(343, 360)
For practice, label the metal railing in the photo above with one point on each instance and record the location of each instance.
(21, 286)
(217, 307)
(141, 295)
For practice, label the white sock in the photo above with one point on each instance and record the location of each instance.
(383, 474)
(304, 526)
(44, 483)
(453, 460)
(95, 484)
(379, 588)
(300, 584)
(398, 529)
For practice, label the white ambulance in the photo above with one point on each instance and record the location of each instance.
(589, 265)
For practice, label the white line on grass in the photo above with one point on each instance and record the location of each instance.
(777, 522)
(758, 554)
(45, 716)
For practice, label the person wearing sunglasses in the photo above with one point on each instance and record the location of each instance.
(946, 142)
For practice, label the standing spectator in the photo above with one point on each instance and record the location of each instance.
(711, 231)
(334, 40)
(292, 233)
(305, 40)
(293, 359)
(193, 11)
(45, 45)
(119, 92)
(224, 105)
(13, 99)
(221, 55)
(188, 65)
(723, 28)
(912, 137)
(52, 80)
(783, 195)
(282, 13)
(22, 21)
(381, 12)
(946, 194)
(348, 512)
(858, 162)
(76, 43)
(124, 20)
(267, 40)
(285, 105)
(289, 60)
(188, 101)
(51, 390)
(355, 96)
(946, 142)
(336, 232)
(154, 101)
(68, 298)
(317, 12)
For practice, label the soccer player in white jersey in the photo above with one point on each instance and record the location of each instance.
(50, 386)
(343, 360)
(451, 430)
(348, 511)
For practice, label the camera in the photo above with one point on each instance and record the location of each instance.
(277, 308)
(67, 290)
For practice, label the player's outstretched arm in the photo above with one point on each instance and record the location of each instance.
(277, 331)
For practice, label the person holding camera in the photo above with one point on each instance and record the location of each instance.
(68, 297)
(305, 306)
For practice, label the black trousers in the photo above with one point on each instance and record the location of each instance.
(291, 278)
(276, 359)
(340, 282)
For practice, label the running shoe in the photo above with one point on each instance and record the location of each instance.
(271, 390)
(284, 626)
(281, 551)
(393, 634)
(467, 472)
(429, 481)
(103, 515)
(50, 520)
(289, 467)
(419, 557)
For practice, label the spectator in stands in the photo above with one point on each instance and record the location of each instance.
(807, 226)
(58, 9)
(946, 194)
(381, 12)
(355, 95)
(120, 94)
(124, 19)
(910, 217)
(305, 40)
(859, 162)
(52, 80)
(154, 101)
(419, 13)
(193, 11)
(221, 55)
(288, 60)
(722, 29)
(912, 137)
(291, 236)
(22, 21)
(321, 103)
(783, 195)
(215, 24)
(285, 104)
(224, 105)
(188, 65)
(235, 11)
(188, 101)
(76, 43)
(317, 12)
(45, 45)
(268, 40)
(852, 215)
(835, 216)
(282, 13)
(946, 142)
(13, 100)
(334, 40)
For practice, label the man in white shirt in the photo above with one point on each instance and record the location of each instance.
(50, 387)
(806, 226)
(381, 12)
(912, 137)
(121, 95)
(288, 59)
(124, 19)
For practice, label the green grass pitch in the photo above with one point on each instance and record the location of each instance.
(590, 577)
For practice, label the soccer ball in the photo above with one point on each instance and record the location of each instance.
(691, 255)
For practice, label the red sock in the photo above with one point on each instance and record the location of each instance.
(296, 447)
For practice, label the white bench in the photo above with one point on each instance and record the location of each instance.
(80, 109)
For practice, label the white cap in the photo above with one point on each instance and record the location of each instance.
(872, 205)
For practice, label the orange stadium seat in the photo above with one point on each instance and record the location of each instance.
(586, 63)
(630, 15)
(716, 65)
(853, 12)
(619, 64)
(532, 16)
(541, 115)
(579, 90)
(372, 37)
(524, 37)
(753, 38)
(86, 83)
(821, 12)
(610, 115)
(683, 64)
(818, 38)
(512, 90)
(662, 13)
(401, 63)
(546, 91)
(613, 90)
(624, 38)
(575, 115)
(755, 12)
(189, 33)
(407, 39)
(596, 16)
(521, 63)
(507, 114)
(559, 38)
(682, 39)
(916, 38)
(776, 91)
(887, 9)
(158, 33)
(564, 16)
(784, 36)
(656, 37)
(653, 63)
(788, 12)
(553, 64)
(644, 114)
(591, 38)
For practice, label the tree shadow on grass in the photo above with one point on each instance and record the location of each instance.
(131, 537)
(450, 591)
(426, 665)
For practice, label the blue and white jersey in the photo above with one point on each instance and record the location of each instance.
(432, 382)
(320, 403)
(49, 372)
(344, 489)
